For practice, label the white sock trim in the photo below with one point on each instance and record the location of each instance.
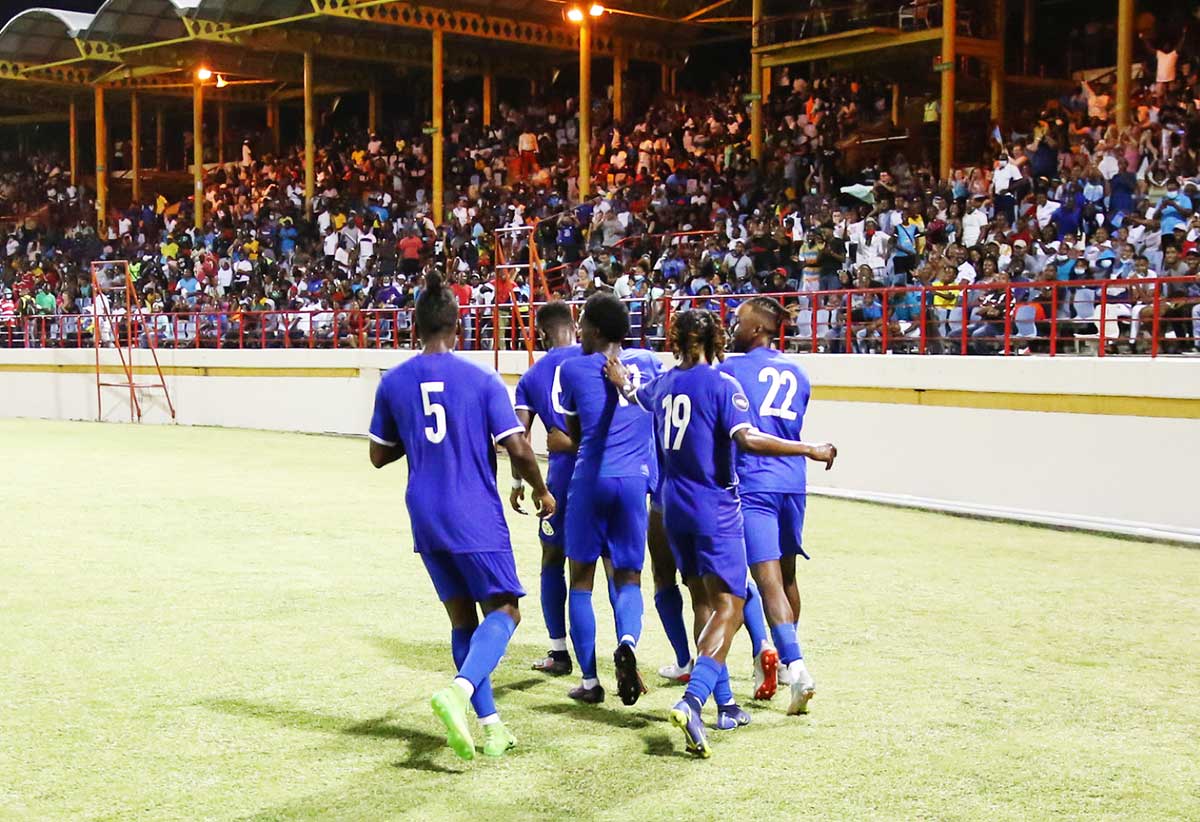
(559, 644)
(466, 686)
(629, 640)
(490, 719)
(590, 683)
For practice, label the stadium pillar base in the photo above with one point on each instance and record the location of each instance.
(996, 70)
(896, 105)
(135, 146)
(310, 149)
(101, 162)
(438, 198)
(373, 110)
(949, 78)
(1027, 38)
(1125, 9)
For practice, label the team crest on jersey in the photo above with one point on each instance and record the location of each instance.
(547, 528)
(740, 402)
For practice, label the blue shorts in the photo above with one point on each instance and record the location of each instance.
(607, 517)
(724, 557)
(476, 576)
(551, 529)
(774, 524)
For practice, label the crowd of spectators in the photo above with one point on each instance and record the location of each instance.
(681, 214)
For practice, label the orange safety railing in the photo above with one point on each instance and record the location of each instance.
(1153, 316)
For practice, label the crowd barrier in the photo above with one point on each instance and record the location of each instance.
(1100, 317)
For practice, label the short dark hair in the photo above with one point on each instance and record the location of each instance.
(554, 314)
(437, 307)
(608, 315)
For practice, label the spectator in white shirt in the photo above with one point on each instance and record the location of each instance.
(974, 222)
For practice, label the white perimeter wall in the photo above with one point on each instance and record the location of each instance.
(939, 432)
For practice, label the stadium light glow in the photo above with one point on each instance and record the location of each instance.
(221, 81)
(596, 10)
(203, 74)
(575, 14)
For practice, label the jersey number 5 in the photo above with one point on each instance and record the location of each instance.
(437, 432)
(779, 380)
(677, 413)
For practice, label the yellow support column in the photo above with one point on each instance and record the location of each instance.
(949, 45)
(585, 108)
(310, 148)
(221, 137)
(618, 94)
(665, 78)
(135, 148)
(160, 136)
(101, 164)
(1027, 39)
(73, 130)
(373, 109)
(273, 124)
(756, 123)
(437, 137)
(766, 84)
(489, 89)
(896, 105)
(198, 154)
(996, 69)
(1124, 60)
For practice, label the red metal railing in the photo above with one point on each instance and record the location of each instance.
(1150, 316)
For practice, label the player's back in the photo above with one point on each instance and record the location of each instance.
(778, 390)
(616, 434)
(697, 411)
(447, 411)
(540, 392)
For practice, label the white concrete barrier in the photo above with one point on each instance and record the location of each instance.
(1110, 444)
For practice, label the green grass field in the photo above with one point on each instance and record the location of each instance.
(216, 624)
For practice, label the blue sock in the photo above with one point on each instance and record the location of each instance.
(669, 603)
(554, 601)
(460, 644)
(583, 631)
(488, 644)
(704, 678)
(628, 612)
(722, 691)
(612, 595)
(756, 621)
(786, 642)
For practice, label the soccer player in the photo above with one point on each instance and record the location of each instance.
(539, 395)
(773, 490)
(444, 412)
(701, 415)
(606, 514)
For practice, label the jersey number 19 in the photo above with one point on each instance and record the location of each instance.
(677, 413)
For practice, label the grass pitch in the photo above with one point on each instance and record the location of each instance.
(219, 624)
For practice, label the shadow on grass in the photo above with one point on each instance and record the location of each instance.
(422, 745)
(662, 745)
(615, 718)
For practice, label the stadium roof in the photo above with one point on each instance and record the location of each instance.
(154, 44)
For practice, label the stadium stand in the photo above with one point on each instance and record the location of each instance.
(1066, 232)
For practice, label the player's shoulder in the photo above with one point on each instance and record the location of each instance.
(646, 360)
(582, 364)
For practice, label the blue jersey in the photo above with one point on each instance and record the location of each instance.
(447, 412)
(697, 411)
(539, 391)
(778, 390)
(616, 439)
